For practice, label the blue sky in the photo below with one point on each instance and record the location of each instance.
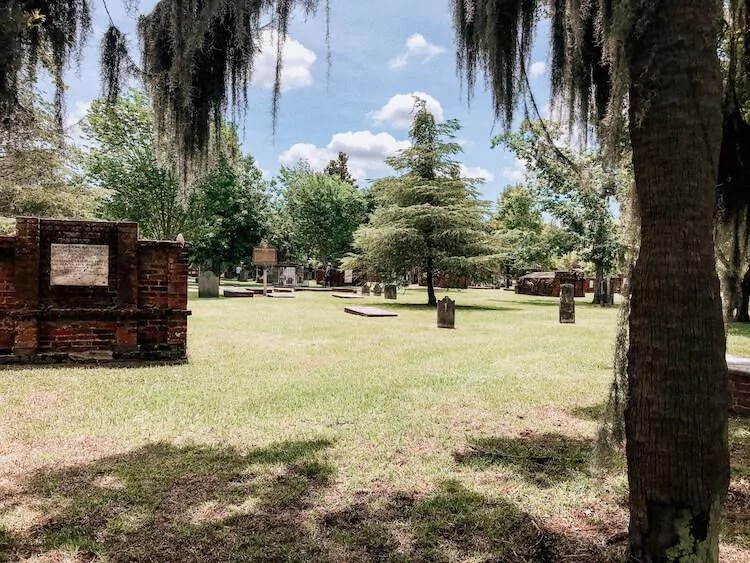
(382, 53)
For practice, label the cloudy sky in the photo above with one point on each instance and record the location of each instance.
(383, 54)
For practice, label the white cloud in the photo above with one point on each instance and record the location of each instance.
(515, 173)
(417, 47)
(298, 61)
(399, 111)
(367, 151)
(537, 69)
(72, 124)
(477, 172)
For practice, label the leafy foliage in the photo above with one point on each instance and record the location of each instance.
(428, 217)
(339, 168)
(575, 188)
(227, 214)
(37, 176)
(324, 212)
(123, 159)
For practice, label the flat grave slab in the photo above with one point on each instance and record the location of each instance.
(738, 364)
(238, 292)
(346, 296)
(281, 295)
(369, 312)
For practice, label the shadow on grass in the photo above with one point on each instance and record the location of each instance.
(544, 460)
(204, 504)
(736, 528)
(594, 413)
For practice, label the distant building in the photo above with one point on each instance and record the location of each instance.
(547, 284)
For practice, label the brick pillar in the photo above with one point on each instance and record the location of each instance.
(178, 275)
(127, 265)
(27, 284)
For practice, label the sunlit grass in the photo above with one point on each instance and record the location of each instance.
(401, 406)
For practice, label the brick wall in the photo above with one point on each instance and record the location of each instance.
(141, 312)
(739, 391)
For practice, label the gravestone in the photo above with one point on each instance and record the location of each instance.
(390, 291)
(366, 289)
(208, 285)
(446, 313)
(377, 289)
(243, 275)
(567, 303)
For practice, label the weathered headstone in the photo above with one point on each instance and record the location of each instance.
(365, 288)
(446, 313)
(377, 289)
(567, 303)
(208, 285)
(243, 275)
(389, 292)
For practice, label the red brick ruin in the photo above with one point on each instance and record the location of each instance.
(91, 291)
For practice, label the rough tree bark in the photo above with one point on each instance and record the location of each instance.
(599, 279)
(743, 316)
(431, 299)
(676, 420)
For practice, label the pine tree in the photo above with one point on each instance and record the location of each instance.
(428, 216)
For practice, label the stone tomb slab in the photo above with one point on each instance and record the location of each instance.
(369, 312)
(281, 294)
(237, 292)
(342, 295)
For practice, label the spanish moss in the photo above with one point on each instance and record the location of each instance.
(197, 61)
(49, 33)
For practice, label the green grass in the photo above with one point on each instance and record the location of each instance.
(300, 433)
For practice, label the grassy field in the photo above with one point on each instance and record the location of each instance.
(300, 433)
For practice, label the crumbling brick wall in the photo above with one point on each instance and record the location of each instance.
(139, 310)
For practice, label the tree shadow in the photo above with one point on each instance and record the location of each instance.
(210, 504)
(167, 503)
(544, 460)
(453, 524)
(594, 413)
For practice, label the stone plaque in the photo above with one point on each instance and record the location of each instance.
(348, 276)
(79, 264)
(567, 303)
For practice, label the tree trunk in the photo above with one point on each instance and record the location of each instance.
(676, 420)
(431, 299)
(742, 311)
(598, 282)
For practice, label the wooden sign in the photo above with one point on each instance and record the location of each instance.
(264, 256)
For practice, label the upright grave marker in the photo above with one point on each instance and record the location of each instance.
(446, 313)
(208, 284)
(567, 303)
(389, 292)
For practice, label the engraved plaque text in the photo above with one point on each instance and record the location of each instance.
(79, 264)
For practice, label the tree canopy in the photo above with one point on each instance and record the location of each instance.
(428, 217)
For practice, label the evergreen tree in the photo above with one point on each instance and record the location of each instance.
(339, 168)
(428, 216)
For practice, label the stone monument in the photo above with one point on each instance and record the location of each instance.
(90, 291)
(446, 313)
(208, 284)
(567, 303)
(377, 289)
(389, 292)
(365, 288)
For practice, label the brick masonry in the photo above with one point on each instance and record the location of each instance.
(141, 314)
(739, 391)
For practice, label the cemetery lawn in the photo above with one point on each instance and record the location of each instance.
(300, 433)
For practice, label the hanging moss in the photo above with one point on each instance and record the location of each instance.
(197, 61)
(49, 33)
